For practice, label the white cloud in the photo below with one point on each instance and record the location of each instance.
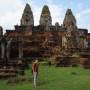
(37, 13)
(82, 13)
(10, 13)
(83, 19)
(57, 13)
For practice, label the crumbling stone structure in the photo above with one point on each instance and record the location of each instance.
(27, 41)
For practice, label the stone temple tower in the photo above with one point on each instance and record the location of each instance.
(70, 22)
(45, 18)
(27, 17)
(69, 19)
(72, 34)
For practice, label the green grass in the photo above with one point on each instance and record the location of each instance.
(53, 78)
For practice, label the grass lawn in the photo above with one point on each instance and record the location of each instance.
(53, 78)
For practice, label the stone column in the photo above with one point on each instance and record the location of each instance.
(8, 49)
(2, 50)
(20, 49)
(20, 52)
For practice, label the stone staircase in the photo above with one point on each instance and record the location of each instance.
(85, 60)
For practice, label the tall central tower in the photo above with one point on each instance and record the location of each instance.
(45, 18)
(27, 17)
(69, 19)
(72, 33)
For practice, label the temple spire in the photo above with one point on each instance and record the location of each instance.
(69, 18)
(45, 18)
(27, 16)
(72, 34)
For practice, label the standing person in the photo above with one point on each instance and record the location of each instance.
(35, 71)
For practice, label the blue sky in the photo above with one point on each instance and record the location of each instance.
(11, 11)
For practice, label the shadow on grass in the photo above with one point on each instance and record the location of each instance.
(18, 80)
(44, 82)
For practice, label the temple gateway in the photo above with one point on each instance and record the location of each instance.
(27, 41)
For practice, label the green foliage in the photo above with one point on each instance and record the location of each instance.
(53, 78)
(82, 37)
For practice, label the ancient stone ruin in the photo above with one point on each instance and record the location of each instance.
(27, 41)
